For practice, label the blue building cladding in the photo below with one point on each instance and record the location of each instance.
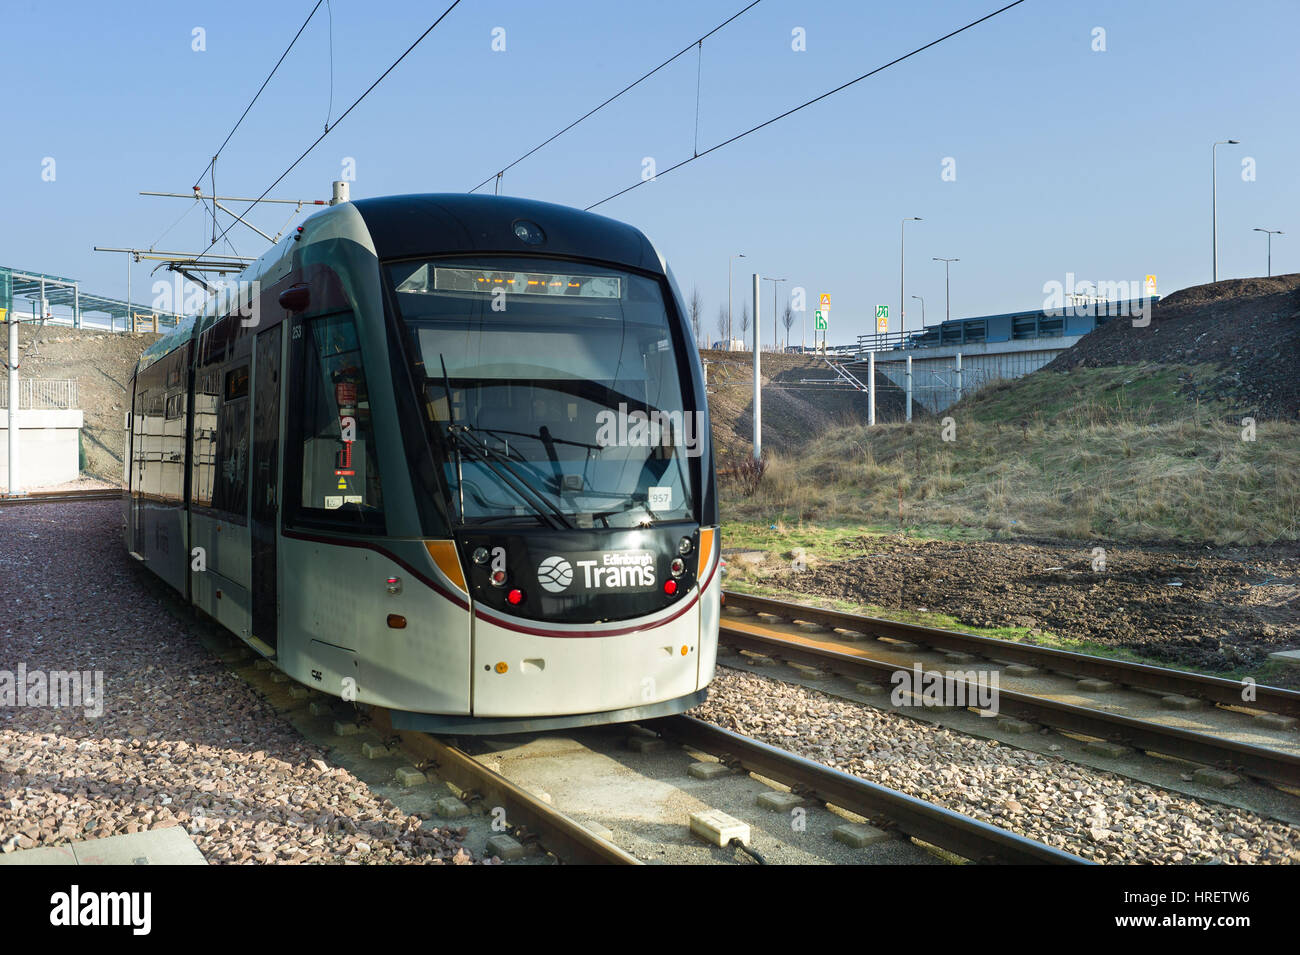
(1068, 321)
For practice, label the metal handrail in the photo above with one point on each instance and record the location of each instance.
(43, 394)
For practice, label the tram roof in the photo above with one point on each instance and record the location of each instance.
(442, 223)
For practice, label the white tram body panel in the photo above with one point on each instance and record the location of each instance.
(385, 527)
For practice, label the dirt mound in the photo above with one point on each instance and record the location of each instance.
(1248, 328)
(101, 363)
(794, 410)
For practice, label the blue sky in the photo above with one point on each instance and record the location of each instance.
(1066, 159)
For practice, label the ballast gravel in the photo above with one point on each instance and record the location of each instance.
(1091, 813)
(181, 740)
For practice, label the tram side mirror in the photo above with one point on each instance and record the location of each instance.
(295, 298)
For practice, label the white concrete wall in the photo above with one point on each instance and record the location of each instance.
(48, 447)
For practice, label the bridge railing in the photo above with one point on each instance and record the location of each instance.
(42, 393)
(883, 341)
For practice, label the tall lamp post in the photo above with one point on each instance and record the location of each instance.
(1214, 198)
(902, 320)
(738, 255)
(1271, 233)
(776, 334)
(921, 299)
(947, 296)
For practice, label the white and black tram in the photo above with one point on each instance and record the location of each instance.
(448, 455)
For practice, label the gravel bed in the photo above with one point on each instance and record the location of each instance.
(182, 741)
(1093, 814)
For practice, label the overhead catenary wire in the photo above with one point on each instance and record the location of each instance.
(686, 49)
(815, 99)
(355, 103)
(699, 70)
(192, 206)
(330, 110)
(200, 176)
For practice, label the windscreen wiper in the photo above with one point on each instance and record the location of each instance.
(499, 465)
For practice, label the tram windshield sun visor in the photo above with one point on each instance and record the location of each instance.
(551, 392)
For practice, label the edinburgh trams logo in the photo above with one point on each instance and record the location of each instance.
(599, 570)
(555, 574)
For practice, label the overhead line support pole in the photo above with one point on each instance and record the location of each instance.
(758, 394)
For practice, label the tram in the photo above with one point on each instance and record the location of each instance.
(444, 454)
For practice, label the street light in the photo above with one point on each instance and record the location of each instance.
(738, 255)
(902, 321)
(922, 300)
(947, 297)
(1271, 233)
(775, 333)
(1214, 198)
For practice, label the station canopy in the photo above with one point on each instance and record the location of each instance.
(21, 291)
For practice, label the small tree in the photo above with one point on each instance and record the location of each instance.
(744, 322)
(787, 319)
(696, 307)
(722, 327)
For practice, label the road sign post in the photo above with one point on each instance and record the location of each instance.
(823, 317)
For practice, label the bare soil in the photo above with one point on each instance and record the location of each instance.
(795, 411)
(102, 363)
(1221, 609)
(1248, 328)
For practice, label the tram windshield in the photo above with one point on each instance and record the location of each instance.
(552, 390)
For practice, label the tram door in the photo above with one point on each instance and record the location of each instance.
(264, 517)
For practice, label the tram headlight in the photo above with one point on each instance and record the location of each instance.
(684, 546)
(678, 566)
(498, 578)
(529, 232)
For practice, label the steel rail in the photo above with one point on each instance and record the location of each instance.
(563, 836)
(957, 833)
(1139, 675)
(566, 838)
(45, 497)
(1271, 765)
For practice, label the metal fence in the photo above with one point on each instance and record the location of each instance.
(42, 393)
(935, 385)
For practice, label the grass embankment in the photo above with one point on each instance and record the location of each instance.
(1113, 453)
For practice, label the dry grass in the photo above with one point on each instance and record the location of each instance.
(1113, 453)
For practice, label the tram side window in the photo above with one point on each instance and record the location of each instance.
(340, 476)
(207, 399)
(230, 477)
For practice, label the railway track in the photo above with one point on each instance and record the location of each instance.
(916, 818)
(935, 825)
(776, 638)
(44, 497)
(533, 819)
